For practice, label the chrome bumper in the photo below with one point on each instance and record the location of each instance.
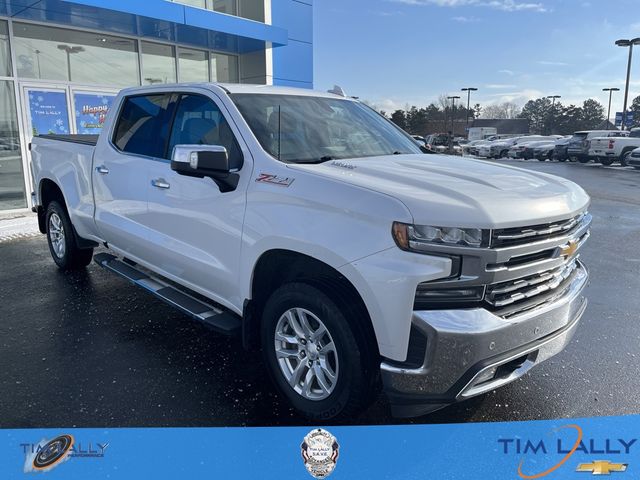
(472, 351)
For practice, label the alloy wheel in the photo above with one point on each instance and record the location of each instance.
(306, 354)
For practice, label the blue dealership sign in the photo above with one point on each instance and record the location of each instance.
(90, 111)
(49, 114)
(553, 449)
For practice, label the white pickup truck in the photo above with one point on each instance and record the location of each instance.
(607, 150)
(314, 228)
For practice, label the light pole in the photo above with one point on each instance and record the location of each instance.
(630, 44)
(468, 90)
(70, 50)
(553, 111)
(610, 90)
(453, 99)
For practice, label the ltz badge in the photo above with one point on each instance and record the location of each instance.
(320, 453)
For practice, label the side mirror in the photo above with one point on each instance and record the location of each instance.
(200, 160)
(205, 161)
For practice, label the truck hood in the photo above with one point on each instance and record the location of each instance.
(456, 191)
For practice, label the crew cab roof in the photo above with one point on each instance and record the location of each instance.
(233, 88)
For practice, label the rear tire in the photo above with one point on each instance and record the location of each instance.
(61, 240)
(584, 159)
(324, 376)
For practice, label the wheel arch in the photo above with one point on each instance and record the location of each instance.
(276, 267)
(48, 191)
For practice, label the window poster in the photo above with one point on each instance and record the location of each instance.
(48, 112)
(91, 111)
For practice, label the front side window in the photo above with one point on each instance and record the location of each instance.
(142, 126)
(199, 121)
(306, 129)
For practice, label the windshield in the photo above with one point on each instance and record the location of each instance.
(305, 129)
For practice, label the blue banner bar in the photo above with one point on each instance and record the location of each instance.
(566, 448)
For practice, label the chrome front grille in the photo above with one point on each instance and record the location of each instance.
(508, 293)
(524, 268)
(522, 235)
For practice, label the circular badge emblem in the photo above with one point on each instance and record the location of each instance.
(320, 453)
(52, 452)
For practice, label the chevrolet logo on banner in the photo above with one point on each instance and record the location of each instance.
(601, 467)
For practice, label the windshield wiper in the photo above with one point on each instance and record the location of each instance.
(326, 158)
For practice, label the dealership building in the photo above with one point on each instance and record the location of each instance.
(62, 62)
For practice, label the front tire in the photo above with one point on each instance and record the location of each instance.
(624, 158)
(313, 355)
(61, 240)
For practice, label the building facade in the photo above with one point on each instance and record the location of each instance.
(62, 62)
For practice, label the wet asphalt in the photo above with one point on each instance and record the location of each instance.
(89, 350)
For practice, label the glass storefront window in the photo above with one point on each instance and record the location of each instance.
(5, 57)
(225, 6)
(194, 3)
(224, 68)
(158, 63)
(193, 65)
(82, 57)
(12, 193)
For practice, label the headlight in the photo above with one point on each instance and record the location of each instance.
(420, 237)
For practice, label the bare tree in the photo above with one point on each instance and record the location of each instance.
(504, 110)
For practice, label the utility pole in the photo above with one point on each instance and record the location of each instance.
(610, 90)
(468, 90)
(453, 99)
(630, 44)
(553, 111)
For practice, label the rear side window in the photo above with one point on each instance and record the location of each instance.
(142, 126)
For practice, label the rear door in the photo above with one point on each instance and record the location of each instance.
(196, 229)
(121, 167)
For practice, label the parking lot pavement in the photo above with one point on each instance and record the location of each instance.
(88, 350)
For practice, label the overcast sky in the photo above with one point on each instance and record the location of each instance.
(397, 52)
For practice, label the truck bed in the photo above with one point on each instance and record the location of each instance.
(84, 139)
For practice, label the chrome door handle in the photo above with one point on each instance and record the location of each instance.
(102, 169)
(160, 183)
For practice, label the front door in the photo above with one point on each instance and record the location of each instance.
(196, 228)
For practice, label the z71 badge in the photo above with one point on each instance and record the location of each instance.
(275, 179)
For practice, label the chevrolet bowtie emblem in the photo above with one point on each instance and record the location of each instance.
(601, 467)
(569, 249)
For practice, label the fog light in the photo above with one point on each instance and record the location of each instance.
(428, 297)
(485, 376)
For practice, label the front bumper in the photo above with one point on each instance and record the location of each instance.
(472, 351)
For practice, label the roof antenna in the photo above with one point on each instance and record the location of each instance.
(337, 90)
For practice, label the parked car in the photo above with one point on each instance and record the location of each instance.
(439, 143)
(634, 159)
(579, 144)
(608, 150)
(524, 148)
(500, 148)
(544, 151)
(560, 152)
(350, 264)
(420, 140)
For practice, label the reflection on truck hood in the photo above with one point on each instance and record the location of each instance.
(453, 191)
